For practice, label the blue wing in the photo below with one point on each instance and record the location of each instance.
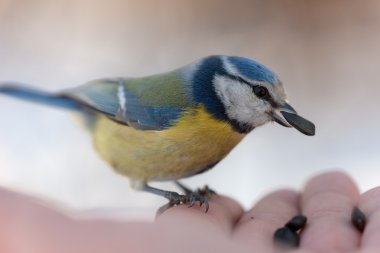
(154, 102)
(118, 101)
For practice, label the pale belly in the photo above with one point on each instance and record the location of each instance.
(194, 144)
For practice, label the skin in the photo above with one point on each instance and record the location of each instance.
(327, 200)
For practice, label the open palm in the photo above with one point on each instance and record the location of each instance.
(327, 201)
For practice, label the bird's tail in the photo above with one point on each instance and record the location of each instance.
(37, 96)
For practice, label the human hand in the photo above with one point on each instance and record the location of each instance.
(327, 200)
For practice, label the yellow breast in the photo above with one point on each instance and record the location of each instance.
(194, 143)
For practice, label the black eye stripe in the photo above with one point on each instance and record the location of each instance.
(268, 97)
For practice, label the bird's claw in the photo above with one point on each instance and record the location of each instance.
(192, 198)
(196, 197)
(206, 191)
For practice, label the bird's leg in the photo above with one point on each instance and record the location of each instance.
(176, 199)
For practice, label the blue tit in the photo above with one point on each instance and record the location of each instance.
(176, 124)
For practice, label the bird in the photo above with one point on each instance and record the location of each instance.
(172, 125)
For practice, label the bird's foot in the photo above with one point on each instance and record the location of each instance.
(190, 197)
(205, 191)
(200, 195)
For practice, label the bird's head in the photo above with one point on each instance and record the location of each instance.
(245, 93)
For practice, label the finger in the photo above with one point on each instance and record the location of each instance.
(257, 226)
(222, 214)
(327, 202)
(369, 203)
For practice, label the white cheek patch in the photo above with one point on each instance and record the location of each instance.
(240, 102)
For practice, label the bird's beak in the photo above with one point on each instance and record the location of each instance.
(286, 116)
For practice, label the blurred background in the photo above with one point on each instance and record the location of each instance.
(326, 53)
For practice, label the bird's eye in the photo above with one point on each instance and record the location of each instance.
(260, 91)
